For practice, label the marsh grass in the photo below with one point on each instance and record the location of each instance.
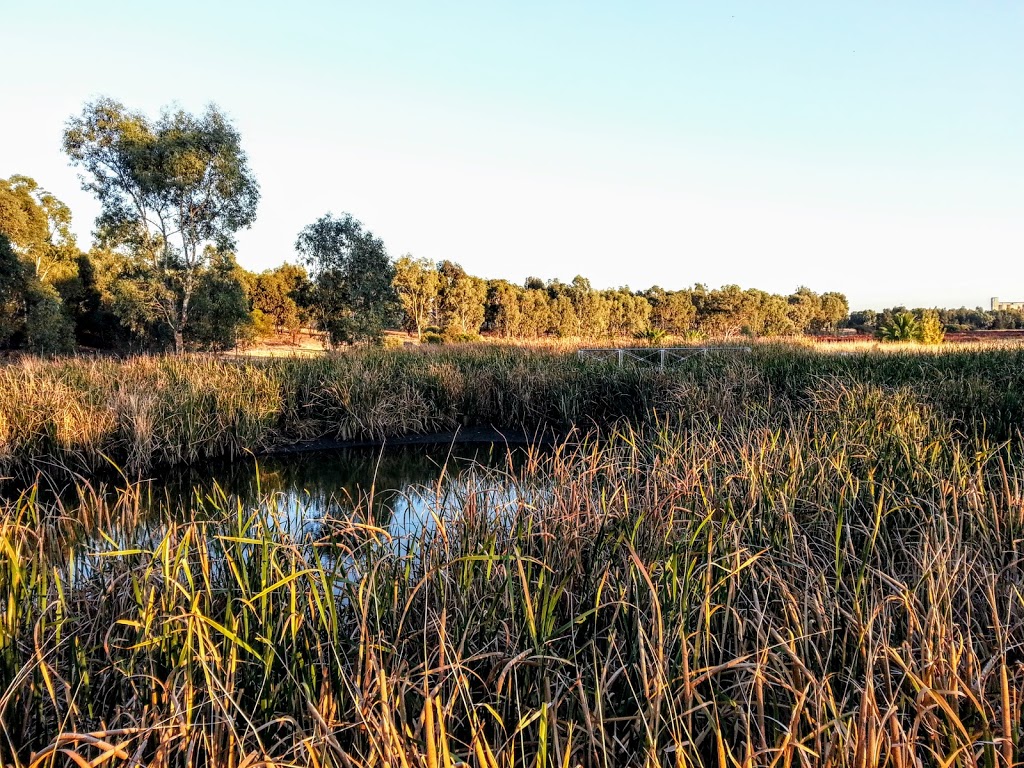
(765, 575)
(142, 412)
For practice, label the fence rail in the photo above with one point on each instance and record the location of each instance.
(660, 356)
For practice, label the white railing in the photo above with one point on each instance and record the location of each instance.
(661, 356)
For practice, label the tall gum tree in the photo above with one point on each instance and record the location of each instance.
(38, 226)
(170, 189)
(354, 296)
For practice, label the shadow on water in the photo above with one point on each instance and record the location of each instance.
(399, 489)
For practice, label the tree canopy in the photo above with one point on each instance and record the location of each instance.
(354, 295)
(172, 190)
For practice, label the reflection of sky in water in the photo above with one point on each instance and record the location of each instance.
(400, 489)
(298, 497)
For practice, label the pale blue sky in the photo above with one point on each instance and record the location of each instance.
(875, 148)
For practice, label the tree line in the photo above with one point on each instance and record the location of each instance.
(161, 272)
(442, 299)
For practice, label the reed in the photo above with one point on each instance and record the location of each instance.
(140, 412)
(788, 569)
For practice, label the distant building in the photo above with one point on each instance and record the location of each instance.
(997, 304)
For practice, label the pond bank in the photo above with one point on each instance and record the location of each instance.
(144, 412)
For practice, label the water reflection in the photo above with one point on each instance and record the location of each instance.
(390, 487)
(397, 488)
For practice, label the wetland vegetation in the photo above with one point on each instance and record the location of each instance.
(781, 558)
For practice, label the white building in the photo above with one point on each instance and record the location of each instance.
(997, 304)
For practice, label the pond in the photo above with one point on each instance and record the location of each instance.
(400, 489)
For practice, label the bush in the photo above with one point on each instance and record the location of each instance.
(924, 327)
(48, 329)
(902, 327)
(930, 329)
(432, 337)
(458, 337)
(651, 335)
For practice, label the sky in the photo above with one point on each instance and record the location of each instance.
(874, 148)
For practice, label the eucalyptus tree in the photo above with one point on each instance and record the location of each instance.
(172, 190)
(38, 226)
(417, 282)
(461, 299)
(353, 297)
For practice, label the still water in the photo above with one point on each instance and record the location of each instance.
(401, 489)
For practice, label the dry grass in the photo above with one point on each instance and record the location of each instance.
(836, 581)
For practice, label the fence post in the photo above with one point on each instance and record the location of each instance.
(620, 357)
(661, 364)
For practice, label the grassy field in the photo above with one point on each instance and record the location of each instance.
(776, 559)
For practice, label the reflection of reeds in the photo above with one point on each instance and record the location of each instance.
(831, 580)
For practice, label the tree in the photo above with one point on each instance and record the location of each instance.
(275, 294)
(220, 309)
(32, 313)
(38, 226)
(354, 296)
(929, 328)
(834, 309)
(503, 312)
(168, 189)
(13, 281)
(461, 300)
(863, 320)
(417, 283)
(672, 312)
(627, 312)
(902, 327)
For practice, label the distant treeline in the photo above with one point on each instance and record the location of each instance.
(961, 320)
(161, 273)
(443, 298)
(55, 297)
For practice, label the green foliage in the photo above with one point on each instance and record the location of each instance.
(417, 282)
(220, 308)
(38, 225)
(281, 296)
(262, 325)
(651, 335)
(48, 328)
(903, 326)
(354, 298)
(672, 310)
(461, 299)
(170, 190)
(32, 313)
(454, 336)
(13, 283)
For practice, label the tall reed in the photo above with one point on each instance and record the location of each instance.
(829, 580)
(144, 411)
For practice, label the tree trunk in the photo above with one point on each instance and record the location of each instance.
(179, 342)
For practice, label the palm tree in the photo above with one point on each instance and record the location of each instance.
(902, 327)
(653, 336)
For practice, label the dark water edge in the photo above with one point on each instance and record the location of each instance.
(398, 484)
(469, 435)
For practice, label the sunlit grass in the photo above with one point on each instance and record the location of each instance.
(141, 412)
(841, 587)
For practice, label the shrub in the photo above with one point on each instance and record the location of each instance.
(48, 329)
(902, 327)
(651, 335)
(930, 329)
